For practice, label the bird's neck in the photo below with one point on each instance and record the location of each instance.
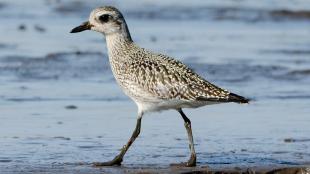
(119, 43)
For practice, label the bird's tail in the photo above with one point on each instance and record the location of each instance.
(237, 98)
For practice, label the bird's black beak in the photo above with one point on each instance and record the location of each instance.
(82, 27)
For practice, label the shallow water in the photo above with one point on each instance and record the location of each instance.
(59, 102)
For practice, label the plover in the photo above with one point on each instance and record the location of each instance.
(155, 82)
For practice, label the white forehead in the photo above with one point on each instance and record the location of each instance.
(105, 10)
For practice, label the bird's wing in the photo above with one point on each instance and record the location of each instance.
(167, 78)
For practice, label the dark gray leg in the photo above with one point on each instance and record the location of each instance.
(119, 158)
(192, 160)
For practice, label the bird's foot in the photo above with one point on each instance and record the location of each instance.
(115, 162)
(190, 163)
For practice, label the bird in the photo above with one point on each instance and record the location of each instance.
(155, 82)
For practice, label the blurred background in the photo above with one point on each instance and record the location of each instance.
(59, 102)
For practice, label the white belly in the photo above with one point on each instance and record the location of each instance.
(160, 105)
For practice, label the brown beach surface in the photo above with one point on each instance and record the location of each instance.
(85, 169)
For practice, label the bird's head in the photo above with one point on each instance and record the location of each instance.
(107, 20)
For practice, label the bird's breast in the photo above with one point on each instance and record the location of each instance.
(128, 79)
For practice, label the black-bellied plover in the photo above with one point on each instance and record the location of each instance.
(155, 82)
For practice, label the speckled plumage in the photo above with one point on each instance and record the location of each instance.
(157, 81)
(159, 77)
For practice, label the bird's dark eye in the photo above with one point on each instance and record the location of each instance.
(105, 18)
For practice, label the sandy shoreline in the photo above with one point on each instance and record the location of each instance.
(81, 169)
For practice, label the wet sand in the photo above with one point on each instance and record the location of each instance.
(85, 169)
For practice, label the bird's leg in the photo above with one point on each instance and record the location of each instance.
(119, 158)
(192, 160)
